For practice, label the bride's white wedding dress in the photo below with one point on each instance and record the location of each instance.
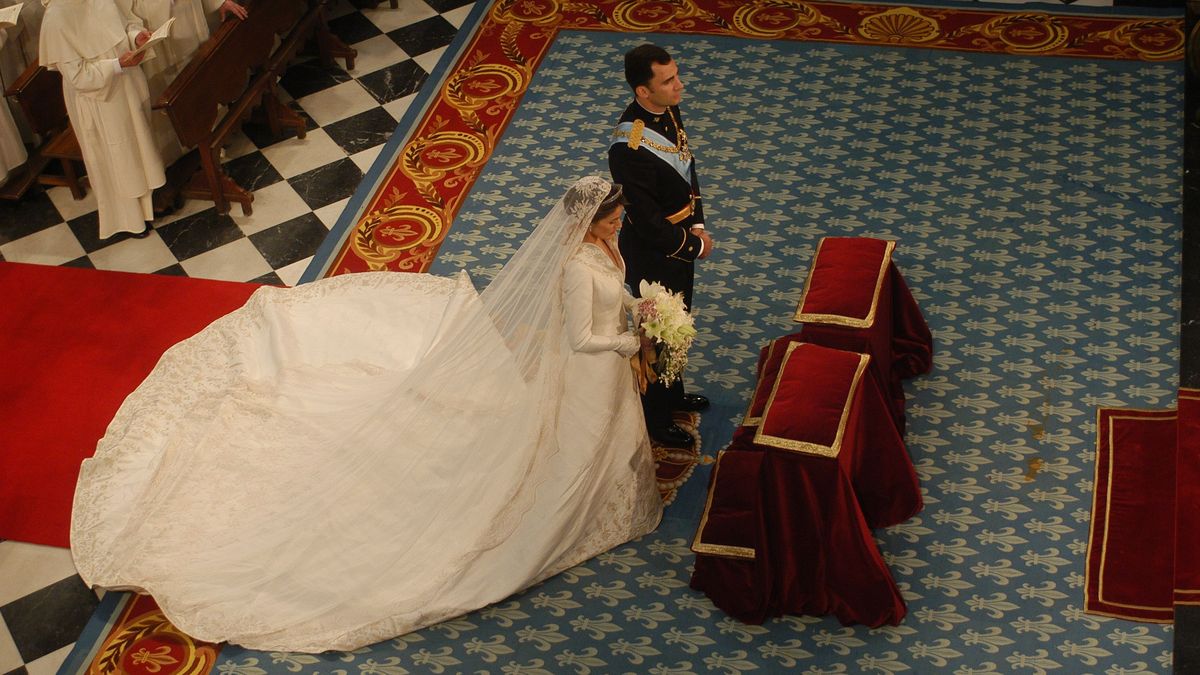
(356, 458)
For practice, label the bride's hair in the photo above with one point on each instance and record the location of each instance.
(615, 198)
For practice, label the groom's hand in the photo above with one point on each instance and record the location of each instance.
(708, 242)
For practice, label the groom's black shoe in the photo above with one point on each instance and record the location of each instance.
(672, 436)
(693, 403)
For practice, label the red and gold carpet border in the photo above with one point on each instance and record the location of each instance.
(143, 642)
(409, 214)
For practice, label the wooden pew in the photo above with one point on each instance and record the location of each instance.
(238, 68)
(38, 92)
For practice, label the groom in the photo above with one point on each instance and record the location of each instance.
(663, 232)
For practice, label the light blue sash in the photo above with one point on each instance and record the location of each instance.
(621, 135)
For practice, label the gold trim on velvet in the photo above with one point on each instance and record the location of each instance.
(739, 552)
(747, 420)
(838, 319)
(806, 447)
(1087, 569)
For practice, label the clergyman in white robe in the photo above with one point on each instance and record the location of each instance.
(12, 148)
(109, 107)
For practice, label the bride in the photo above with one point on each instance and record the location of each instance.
(349, 460)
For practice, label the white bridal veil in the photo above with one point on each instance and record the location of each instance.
(306, 471)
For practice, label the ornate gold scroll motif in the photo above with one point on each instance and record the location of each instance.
(152, 644)
(899, 25)
(773, 18)
(382, 236)
(1027, 33)
(428, 158)
(538, 12)
(648, 15)
(1153, 40)
(477, 87)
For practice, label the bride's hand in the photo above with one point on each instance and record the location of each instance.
(629, 345)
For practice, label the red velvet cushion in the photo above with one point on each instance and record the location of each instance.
(729, 522)
(810, 401)
(769, 359)
(844, 281)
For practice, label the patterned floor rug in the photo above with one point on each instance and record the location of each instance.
(1035, 202)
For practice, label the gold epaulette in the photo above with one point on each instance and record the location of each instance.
(635, 134)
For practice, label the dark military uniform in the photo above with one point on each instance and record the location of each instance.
(649, 156)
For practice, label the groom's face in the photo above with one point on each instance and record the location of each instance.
(665, 88)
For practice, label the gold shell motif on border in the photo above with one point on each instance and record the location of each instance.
(901, 25)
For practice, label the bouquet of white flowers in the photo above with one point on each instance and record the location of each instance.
(663, 319)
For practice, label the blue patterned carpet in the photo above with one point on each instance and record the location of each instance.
(1036, 207)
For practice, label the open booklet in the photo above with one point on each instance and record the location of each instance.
(156, 37)
(9, 15)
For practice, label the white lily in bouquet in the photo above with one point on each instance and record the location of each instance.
(668, 328)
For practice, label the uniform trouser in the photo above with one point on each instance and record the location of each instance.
(659, 402)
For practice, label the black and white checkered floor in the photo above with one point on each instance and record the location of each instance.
(300, 188)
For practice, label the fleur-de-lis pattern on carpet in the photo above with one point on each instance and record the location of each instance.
(1036, 206)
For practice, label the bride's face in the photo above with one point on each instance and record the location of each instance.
(607, 225)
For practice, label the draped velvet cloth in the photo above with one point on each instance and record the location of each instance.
(786, 529)
(1131, 545)
(856, 299)
(1187, 499)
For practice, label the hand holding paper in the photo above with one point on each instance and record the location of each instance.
(157, 36)
(10, 15)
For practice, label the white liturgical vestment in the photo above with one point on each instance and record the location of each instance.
(12, 150)
(109, 107)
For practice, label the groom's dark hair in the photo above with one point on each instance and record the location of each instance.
(639, 63)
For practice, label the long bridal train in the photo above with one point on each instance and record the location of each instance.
(356, 458)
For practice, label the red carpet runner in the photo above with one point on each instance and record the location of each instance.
(76, 342)
(1142, 553)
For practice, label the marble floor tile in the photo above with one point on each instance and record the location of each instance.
(395, 81)
(398, 107)
(199, 233)
(353, 28)
(10, 658)
(409, 12)
(309, 77)
(429, 60)
(134, 255)
(190, 207)
(366, 159)
(253, 171)
(86, 229)
(34, 213)
(69, 207)
(297, 155)
(445, 7)
(375, 53)
(52, 246)
(290, 275)
(29, 567)
(50, 663)
(236, 261)
(272, 205)
(456, 17)
(328, 183)
(331, 213)
(337, 103)
(50, 618)
(423, 36)
(296, 239)
(239, 144)
(365, 130)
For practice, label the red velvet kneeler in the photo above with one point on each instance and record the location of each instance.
(855, 299)
(1187, 499)
(783, 531)
(882, 472)
(1131, 545)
